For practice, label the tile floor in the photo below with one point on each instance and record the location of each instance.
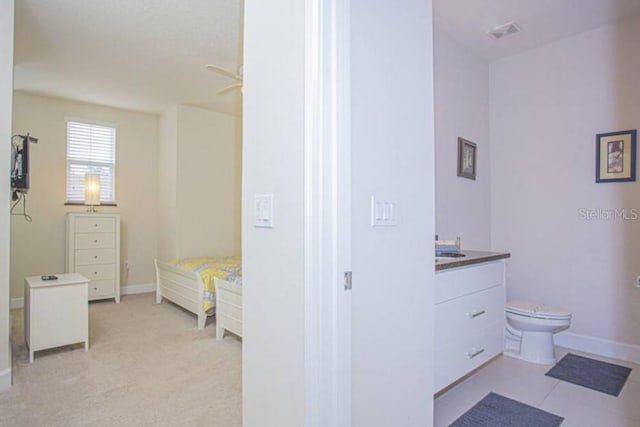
(526, 382)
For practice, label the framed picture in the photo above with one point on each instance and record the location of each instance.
(466, 159)
(616, 156)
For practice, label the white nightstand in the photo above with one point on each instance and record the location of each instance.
(56, 312)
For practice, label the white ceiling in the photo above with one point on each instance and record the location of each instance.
(543, 21)
(150, 54)
(136, 54)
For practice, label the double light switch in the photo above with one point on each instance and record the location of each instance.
(383, 213)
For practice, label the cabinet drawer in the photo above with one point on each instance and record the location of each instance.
(97, 272)
(95, 256)
(463, 281)
(95, 240)
(95, 225)
(461, 357)
(101, 288)
(463, 317)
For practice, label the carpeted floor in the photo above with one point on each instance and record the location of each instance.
(147, 364)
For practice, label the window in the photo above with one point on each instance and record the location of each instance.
(91, 148)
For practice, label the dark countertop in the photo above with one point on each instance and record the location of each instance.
(472, 257)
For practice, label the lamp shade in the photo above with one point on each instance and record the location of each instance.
(91, 189)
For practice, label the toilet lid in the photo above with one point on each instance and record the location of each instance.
(533, 309)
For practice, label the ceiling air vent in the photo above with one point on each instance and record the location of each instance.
(505, 30)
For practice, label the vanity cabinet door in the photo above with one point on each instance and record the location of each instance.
(469, 320)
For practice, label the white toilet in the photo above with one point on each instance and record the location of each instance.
(530, 328)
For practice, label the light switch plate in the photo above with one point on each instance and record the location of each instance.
(263, 210)
(383, 213)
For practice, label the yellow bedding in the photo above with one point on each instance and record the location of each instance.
(226, 268)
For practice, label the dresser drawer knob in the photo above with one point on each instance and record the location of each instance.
(95, 241)
(475, 313)
(95, 257)
(474, 352)
(95, 225)
(95, 273)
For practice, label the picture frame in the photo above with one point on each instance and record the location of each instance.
(467, 159)
(616, 156)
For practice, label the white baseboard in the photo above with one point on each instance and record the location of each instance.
(138, 289)
(5, 379)
(599, 346)
(125, 290)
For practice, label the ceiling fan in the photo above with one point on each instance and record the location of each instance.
(237, 76)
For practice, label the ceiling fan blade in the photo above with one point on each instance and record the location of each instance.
(230, 88)
(223, 71)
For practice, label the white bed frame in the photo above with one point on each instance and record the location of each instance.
(181, 287)
(228, 308)
(185, 289)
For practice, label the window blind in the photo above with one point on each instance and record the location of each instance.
(91, 148)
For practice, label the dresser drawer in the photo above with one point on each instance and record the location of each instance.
(95, 225)
(95, 240)
(97, 272)
(463, 317)
(95, 256)
(101, 288)
(463, 281)
(463, 356)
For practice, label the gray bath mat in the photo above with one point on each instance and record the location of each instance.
(594, 374)
(499, 411)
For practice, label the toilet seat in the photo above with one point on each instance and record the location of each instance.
(536, 311)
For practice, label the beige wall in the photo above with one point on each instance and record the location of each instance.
(167, 184)
(39, 247)
(200, 163)
(547, 105)
(6, 91)
(208, 192)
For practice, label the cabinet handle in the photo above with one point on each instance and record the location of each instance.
(95, 272)
(95, 241)
(95, 225)
(474, 352)
(475, 313)
(95, 257)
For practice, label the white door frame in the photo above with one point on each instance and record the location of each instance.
(7, 12)
(327, 214)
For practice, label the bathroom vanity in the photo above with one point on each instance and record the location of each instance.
(469, 313)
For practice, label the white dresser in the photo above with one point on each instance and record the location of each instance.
(469, 319)
(93, 250)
